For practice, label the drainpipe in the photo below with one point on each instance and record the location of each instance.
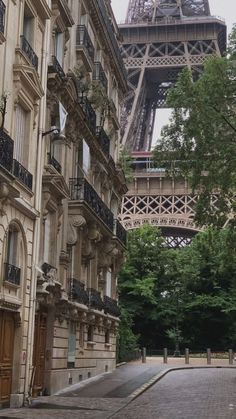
(38, 206)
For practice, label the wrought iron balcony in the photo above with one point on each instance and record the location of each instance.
(78, 292)
(104, 140)
(54, 163)
(88, 111)
(12, 274)
(55, 67)
(2, 16)
(29, 52)
(81, 190)
(95, 300)
(108, 28)
(120, 232)
(99, 74)
(6, 151)
(83, 40)
(111, 307)
(21, 173)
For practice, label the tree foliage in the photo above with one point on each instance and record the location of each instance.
(200, 141)
(195, 285)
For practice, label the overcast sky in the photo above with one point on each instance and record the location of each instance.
(223, 8)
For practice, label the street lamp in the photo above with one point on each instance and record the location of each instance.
(177, 331)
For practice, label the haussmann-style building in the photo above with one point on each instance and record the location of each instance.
(62, 81)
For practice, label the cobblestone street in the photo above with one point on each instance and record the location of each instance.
(180, 392)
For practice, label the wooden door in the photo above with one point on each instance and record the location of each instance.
(39, 353)
(7, 332)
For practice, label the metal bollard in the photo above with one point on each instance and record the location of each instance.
(231, 357)
(165, 356)
(186, 356)
(144, 355)
(208, 356)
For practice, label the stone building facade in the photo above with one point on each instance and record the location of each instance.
(62, 81)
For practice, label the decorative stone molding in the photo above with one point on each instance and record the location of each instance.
(4, 194)
(75, 222)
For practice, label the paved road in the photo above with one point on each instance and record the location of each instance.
(187, 394)
(205, 393)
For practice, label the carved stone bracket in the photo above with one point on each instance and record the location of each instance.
(75, 222)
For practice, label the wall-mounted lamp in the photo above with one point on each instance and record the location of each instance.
(55, 130)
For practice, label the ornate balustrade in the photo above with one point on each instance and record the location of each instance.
(120, 232)
(83, 40)
(104, 140)
(80, 189)
(55, 67)
(88, 111)
(95, 300)
(21, 173)
(79, 294)
(6, 151)
(54, 163)
(29, 52)
(111, 307)
(2, 16)
(12, 274)
(99, 74)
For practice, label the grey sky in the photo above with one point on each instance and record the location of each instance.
(222, 8)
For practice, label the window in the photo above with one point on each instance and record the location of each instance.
(59, 47)
(81, 335)
(90, 333)
(72, 345)
(28, 25)
(12, 246)
(49, 239)
(86, 158)
(107, 336)
(108, 284)
(21, 135)
(14, 254)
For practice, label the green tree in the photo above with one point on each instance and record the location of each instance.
(146, 285)
(193, 287)
(200, 141)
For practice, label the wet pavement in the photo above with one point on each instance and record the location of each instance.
(172, 392)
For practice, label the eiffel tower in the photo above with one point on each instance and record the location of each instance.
(159, 39)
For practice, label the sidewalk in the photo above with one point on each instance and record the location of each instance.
(101, 397)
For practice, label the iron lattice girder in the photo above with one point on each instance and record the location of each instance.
(154, 55)
(151, 10)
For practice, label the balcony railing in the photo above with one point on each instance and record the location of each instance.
(104, 140)
(29, 52)
(120, 232)
(81, 190)
(99, 74)
(95, 300)
(6, 151)
(78, 292)
(12, 274)
(108, 28)
(21, 173)
(111, 307)
(2, 16)
(55, 67)
(83, 40)
(54, 163)
(88, 111)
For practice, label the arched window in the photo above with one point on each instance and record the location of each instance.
(12, 272)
